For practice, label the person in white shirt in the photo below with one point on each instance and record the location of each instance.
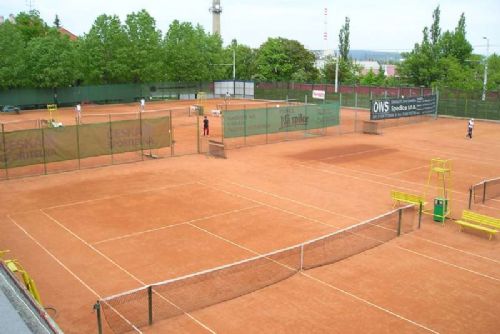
(470, 127)
(143, 104)
(78, 110)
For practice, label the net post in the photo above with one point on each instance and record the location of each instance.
(77, 129)
(245, 125)
(111, 139)
(470, 197)
(97, 309)
(150, 305)
(484, 192)
(43, 150)
(267, 123)
(301, 257)
(140, 134)
(198, 134)
(400, 214)
(4, 147)
(420, 208)
(172, 152)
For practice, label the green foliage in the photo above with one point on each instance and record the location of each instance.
(144, 49)
(12, 66)
(51, 61)
(344, 43)
(31, 25)
(279, 59)
(104, 52)
(192, 55)
(494, 72)
(440, 59)
(57, 22)
(244, 61)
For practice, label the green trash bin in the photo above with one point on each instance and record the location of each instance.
(440, 209)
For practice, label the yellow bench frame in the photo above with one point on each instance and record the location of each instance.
(399, 196)
(480, 222)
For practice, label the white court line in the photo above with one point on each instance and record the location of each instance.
(368, 302)
(188, 222)
(294, 201)
(407, 170)
(115, 196)
(75, 276)
(449, 264)
(269, 206)
(453, 248)
(123, 269)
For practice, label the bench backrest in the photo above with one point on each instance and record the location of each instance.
(481, 219)
(401, 196)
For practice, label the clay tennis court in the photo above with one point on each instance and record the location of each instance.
(92, 233)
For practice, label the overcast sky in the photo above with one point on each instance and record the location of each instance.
(389, 25)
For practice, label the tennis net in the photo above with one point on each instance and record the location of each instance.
(164, 300)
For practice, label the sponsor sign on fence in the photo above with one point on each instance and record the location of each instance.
(405, 107)
(318, 94)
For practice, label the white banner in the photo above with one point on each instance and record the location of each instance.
(319, 94)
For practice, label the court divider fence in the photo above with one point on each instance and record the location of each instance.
(270, 122)
(483, 191)
(114, 138)
(129, 311)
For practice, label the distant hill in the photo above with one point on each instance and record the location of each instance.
(375, 55)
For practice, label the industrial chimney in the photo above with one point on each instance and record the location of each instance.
(216, 9)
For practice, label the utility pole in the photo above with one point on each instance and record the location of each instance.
(485, 81)
(337, 72)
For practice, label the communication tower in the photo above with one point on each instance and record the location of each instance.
(216, 10)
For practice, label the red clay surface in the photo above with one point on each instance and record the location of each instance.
(91, 233)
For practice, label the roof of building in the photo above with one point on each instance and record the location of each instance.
(68, 33)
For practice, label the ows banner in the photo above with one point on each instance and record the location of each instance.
(405, 107)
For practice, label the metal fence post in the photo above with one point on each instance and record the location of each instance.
(356, 99)
(198, 133)
(150, 305)
(267, 123)
(484, 192)
(245, 125)
(111, 139)
(470, 197)
(4, 146)
(419, 214)
(400, 214)
(172, 139)
(97, 308)
(140, 134)
(43, 150)
(77, 127)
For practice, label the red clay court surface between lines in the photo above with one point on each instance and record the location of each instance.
(87, 234)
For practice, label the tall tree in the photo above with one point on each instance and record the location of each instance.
(104, 52)
(244, 61)
(31, 25)
(12, 65)
(51, 61)
(191, 54)
(144, 60)
(344, 42)
(57, 22)
(278, 59)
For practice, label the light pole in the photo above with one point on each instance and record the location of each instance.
(337, 72)
(486, 68)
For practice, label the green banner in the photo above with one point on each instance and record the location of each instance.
(243, 123)
(37, 146)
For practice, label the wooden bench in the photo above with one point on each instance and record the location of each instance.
(479, 222)
(399, 196)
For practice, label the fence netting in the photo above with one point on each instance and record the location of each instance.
(113, 135)
(144, 306)
(276, 122)
(485, 190)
